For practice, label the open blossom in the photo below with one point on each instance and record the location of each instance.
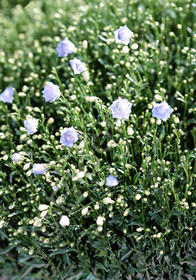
(64, 221)
(111, 181)
(39, 168)
(7, 95)
(121, 108)
(68, 136)
(31, 125)
(77, 66)
(123, 35)
(161, 110)
(16, 157)
(51, 92)
(65, 48)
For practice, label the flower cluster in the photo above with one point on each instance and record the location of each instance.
(120, 108)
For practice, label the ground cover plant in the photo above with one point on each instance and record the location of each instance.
(97, 139)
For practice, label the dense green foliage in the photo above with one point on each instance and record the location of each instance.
(148, 230)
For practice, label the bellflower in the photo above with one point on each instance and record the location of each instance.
(51, 92)
(123, 35)
(31, 125)
(121, 108)
(65, 48)
(7, 95)
(161, 111)
(68, 136)
(111, 181)
(17, 157)
(39, 168)
(77, 66)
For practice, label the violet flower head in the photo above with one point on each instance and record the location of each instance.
(16, 157)
(65, 48)
(111, 181)
(68, 136)
(123, 35)
(31, 125)
(7, 95)
(51, 92)
(121, 109)
(39, 168)
(161, 111)
(77, 66)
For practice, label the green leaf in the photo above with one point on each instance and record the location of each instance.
(6, 250)
(156, 217)
(90, 277)
(61, 251)
(191, 261)
(126, 254)
(101, 245)
(193, 244)
(99, 265)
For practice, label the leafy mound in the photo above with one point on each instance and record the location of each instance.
(142, 228)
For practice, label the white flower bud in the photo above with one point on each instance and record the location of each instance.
(84, 211)
(130, 131)
(64, 221)
(100, 220)
(43, 207)
(138, 196)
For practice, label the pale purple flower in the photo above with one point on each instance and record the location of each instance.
(51, 92)
(55, 188)
(68, 136)
(39, 168)
(77, 66)
(65, 48)
(123, 35)
(161, 110)
(16, 157)
(111, 181)
(31, 125)
(7, 95)
(121, 108)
